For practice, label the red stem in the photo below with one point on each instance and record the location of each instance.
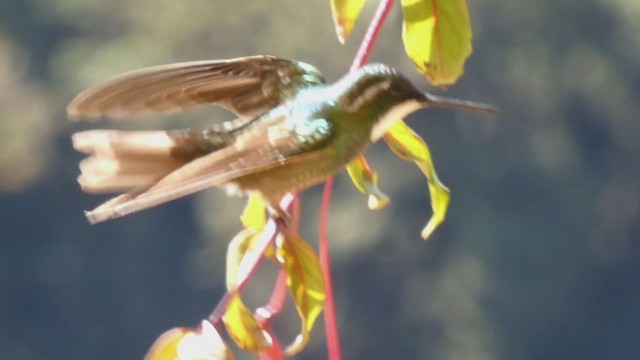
(330, 318)
(267, 312)
(275, 351)
(370, 37)
(277, 300)
(251, 260)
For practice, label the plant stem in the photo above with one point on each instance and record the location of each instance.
(330, 318)
(251, 260)
(370, 37)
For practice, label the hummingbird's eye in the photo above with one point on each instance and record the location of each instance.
(396, 90)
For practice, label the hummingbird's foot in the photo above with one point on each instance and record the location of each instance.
(278, 213)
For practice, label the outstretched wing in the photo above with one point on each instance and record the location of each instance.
(248, 86)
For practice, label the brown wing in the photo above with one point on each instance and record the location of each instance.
(247, 86)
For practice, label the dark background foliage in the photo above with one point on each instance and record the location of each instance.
(538, 258)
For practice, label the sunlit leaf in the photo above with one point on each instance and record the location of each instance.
(366, 180)
(202, 343)
(253, 216)
(236, 250)
(437, 37)
(306, 284)
(243, 327)
(410, 146)
(253, 219)
(345, 13)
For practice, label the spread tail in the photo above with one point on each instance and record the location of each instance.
(122, 161)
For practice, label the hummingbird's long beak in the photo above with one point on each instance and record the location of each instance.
(450, 103)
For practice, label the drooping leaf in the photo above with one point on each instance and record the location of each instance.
(306, 284)
(410, 146)
(254, 220)
(243, 327)
(240, 323)
(437, 37)
(345, 13)
(202, 343)
(366, 180)
(253, 216)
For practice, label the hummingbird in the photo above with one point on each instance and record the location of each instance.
(292, 131)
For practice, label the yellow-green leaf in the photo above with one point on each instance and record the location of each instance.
(244, 328)
(236, 250)
(437, 37)
(410, 146)
(345, 13)
(202, 343)
(253, 216)
(305, 281)
(366, 180)
(241, 325)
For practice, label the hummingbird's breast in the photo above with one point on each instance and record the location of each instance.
(312, 138)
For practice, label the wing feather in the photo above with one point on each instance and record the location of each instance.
(197, 175)
(247, 86)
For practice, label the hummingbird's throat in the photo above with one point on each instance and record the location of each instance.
(397, 112)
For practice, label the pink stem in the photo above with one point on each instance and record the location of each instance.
(251, 260)
(370, 37)
(278, 298)
(275, 351)
(266, 313)
(330, 318)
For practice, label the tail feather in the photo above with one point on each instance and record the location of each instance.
(146, 145)
(121, 161)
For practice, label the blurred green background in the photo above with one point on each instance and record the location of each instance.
(538, 259)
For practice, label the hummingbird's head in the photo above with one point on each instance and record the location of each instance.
(377, 85)
(379, 95)
(385, 96)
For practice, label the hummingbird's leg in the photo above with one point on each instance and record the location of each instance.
(277, 212)
(272, 203)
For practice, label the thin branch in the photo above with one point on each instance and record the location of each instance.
(251, 260)
(370, 37)
(330, 318)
